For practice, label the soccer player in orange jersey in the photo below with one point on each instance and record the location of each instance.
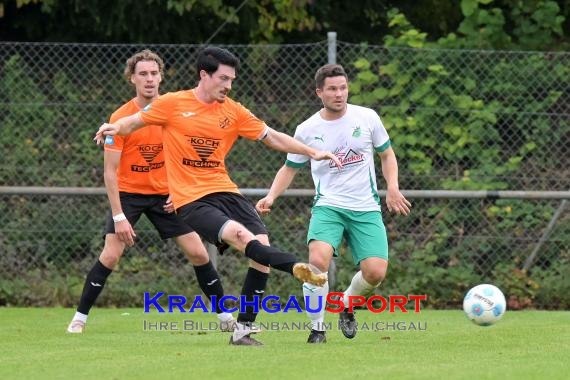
(200, 126)
(136, 183)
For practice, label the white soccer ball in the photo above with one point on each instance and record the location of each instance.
(484, 304)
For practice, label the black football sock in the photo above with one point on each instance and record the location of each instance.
(270, 256)
(210, 283)
(254, 285)
(94, 284)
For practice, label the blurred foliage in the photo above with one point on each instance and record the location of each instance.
(282, 21)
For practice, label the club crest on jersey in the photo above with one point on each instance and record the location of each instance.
(223, 123)
(356, 132)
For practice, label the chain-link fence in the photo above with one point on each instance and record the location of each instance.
(458, 120)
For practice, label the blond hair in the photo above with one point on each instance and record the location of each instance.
(144, 55)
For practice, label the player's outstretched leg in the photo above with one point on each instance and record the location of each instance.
(239, 237)
(286, 262)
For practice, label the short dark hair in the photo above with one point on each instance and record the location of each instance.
(143, 55)
(328, 71)
(210, 59)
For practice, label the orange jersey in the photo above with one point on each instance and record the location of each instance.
(141, 170)
(197, 137)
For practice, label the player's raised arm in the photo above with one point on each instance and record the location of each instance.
(285, 143)
(122, 127)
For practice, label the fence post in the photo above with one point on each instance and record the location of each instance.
(530, 259)
(331, 42)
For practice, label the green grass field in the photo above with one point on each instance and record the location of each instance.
(524, 345)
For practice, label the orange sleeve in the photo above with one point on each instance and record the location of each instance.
(249, 126)
(115, 143)
(159, 111)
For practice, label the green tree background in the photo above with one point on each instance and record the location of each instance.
(276, 21)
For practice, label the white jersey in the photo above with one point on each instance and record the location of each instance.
(354, 139)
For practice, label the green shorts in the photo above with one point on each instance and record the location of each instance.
(364, 231)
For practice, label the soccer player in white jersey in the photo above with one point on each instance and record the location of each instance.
(346, 201)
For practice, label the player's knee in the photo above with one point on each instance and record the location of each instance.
(237, 235)
(243, 236)
(110, 257)
(320, 262)
(374, 275)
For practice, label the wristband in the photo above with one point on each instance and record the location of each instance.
(119, 217)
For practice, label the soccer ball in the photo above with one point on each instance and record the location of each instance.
(484, 305)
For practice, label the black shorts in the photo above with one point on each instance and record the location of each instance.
(209, 214)
(134, 205)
